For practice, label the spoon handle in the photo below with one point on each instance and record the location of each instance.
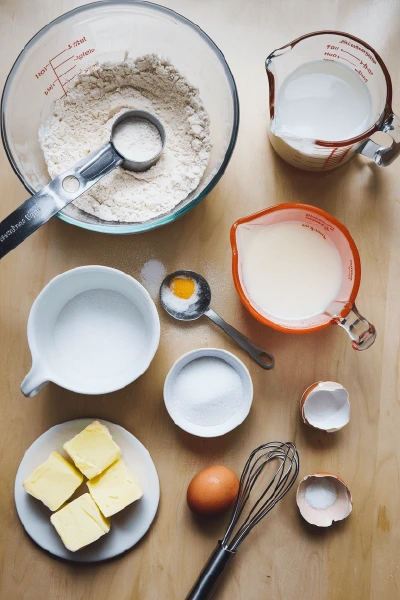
(255, 352)
(55, 196)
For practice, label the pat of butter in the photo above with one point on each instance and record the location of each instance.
(80, 523)
(54, 481)
(114, 489)
(93, 449)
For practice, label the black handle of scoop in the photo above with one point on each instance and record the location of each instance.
(55, 196)
(211, 574)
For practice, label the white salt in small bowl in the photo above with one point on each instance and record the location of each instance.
(208, 430)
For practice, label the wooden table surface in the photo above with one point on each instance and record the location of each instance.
(284, 559)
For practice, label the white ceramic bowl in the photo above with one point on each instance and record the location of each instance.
(48, 365)
(212, 430)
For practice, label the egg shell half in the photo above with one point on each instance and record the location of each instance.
(325, 405)
(341, 508)
(212, 491)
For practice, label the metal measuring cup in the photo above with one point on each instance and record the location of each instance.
(71, 184)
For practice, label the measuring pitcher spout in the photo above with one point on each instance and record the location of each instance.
(35, 381)
(328, 93)
(272, 67)
(361, 331)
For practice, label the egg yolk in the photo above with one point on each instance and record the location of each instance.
(182, 287)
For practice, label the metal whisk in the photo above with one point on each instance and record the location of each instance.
(283, 479)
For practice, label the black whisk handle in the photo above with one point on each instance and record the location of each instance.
(211, 574)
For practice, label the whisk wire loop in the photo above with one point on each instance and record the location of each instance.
(281, 482)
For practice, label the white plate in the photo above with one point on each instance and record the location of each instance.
(127, 527)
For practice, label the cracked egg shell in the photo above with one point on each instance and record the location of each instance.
(323, 498)
(325, 405)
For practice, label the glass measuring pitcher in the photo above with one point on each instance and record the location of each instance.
(344, 49)
(341, 310)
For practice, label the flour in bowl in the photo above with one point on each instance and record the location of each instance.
(81, 122)
(137, 139)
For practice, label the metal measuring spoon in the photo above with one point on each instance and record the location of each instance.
(202, 307)
(71, 184)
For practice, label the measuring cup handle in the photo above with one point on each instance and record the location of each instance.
(261, 356)
(361, 331)
(55, 196)
(384, 155)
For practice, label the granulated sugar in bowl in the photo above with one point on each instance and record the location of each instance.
(208, 392)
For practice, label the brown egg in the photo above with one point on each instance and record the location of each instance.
(212, 491)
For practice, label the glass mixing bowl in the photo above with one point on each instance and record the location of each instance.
(103, 31)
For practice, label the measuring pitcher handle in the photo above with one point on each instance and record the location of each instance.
(55, 196)
(384, 155)
(361, 331)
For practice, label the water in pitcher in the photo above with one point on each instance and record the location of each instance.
(320, 100)
(323, 100)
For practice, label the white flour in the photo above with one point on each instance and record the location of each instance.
(81, 122)
(207, 391)
(137, 139)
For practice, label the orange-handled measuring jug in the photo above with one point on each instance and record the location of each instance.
(341, 310)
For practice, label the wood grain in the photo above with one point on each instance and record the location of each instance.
(284, 559)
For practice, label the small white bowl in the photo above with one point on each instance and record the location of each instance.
(211, 430)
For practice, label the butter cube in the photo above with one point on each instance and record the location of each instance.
(93, 449)
(114, 489)
(80, 523)
(54, 481)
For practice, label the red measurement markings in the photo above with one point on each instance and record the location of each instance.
(361, 74)
(42, 72)
(83, 54)
(68, 80)
(344, 154)
(71, 69)
(59, 54)
(362, 64)
(55, 73)
(64, 61)
(50, 87)
(90, 67)
(349, 61)
(353, 55)
(365, 66)
(334, 159)
(330, 157)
